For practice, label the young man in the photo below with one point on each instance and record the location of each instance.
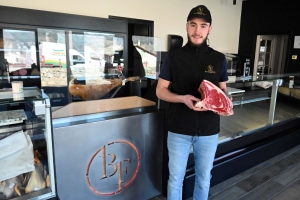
(183, 70)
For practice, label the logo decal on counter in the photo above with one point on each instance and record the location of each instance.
(113, 168)
(210, 69)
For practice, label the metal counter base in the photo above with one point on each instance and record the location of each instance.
(117, 158)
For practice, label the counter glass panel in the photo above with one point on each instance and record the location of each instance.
(149, 51)
(53, 57)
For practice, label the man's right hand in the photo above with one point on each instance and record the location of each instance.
(190, 100)
(165, 94)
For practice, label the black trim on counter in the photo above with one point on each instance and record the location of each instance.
(242, 142)
(54, 19)
(261, 152)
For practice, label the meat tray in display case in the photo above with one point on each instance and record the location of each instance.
(26, 153)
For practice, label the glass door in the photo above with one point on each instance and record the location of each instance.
(264, 55)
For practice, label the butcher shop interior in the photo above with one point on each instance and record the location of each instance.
(78, 102)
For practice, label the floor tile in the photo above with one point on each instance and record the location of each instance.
(289, 176)
(290, 193)
(253, 170)
(230, 193)
(267, 173)
(265, 191)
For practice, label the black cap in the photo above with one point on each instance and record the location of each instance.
(201, 12)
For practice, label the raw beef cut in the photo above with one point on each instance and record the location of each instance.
(214, 99)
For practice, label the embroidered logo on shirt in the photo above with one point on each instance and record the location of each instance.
(210, 69)
(200, 11)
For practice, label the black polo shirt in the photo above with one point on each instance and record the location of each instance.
(185, 68)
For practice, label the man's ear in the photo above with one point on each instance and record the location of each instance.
(210, 29)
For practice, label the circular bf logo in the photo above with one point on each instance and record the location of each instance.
(113, 168)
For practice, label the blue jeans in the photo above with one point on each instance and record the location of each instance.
(204, 153)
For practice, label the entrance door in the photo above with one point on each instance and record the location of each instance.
(264, 55)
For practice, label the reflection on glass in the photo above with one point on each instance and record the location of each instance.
(262, 46)
(261, 59)
(261, 70)
(268, 45)
(148, 49)
(19, 52)
(102, 52)
(52, 54)
(91, 55)
(96, 65)
(267, 58)
(118, 58)
(98, 51)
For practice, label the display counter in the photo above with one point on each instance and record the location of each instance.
(264, 125)
(26, 145)
(108, 149)
(107, 141)
(256, 106)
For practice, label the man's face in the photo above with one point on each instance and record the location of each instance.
(197, 31)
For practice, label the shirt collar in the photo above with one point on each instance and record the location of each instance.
(201, 49)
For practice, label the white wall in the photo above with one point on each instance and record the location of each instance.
(169, 16)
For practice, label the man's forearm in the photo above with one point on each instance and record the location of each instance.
(223, 87)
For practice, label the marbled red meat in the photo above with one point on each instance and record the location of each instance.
(214, 99)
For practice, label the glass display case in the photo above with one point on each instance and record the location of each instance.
(58, 60)
(265, 123)
(82, 65)
(79, 64)
(26, 149)
(258, 104)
